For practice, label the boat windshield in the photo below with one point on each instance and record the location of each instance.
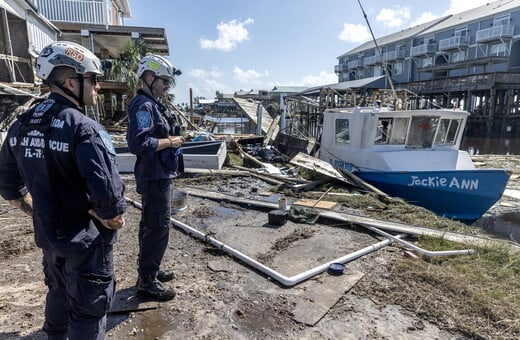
(448, 131)
(391, 130)
(416, 132)
(422, 131)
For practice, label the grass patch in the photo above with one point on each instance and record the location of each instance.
(484, 288)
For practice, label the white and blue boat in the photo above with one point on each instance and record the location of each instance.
(412, 154)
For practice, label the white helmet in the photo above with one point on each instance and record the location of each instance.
(66, 53)
(158, 65)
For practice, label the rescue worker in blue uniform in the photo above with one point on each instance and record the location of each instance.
(58, 166)
(152, 133)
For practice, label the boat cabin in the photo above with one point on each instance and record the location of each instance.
(369, 139)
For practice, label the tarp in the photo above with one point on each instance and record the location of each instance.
(379, 82)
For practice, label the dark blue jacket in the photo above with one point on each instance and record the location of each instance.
(146, 125)
(83, 176)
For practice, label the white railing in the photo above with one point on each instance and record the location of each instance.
(340, 68)
(77, 11)
(354, 64)
(394, 55)
(424, 49)
(372, 60)
(452, 43)
(495, 33)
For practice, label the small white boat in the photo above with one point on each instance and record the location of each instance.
(413, 155)
(196, 155)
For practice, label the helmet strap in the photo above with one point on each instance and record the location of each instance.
(150, 86)
(68, 92)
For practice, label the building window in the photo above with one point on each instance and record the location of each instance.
(501, 21)
(461, 32)
(497, 49)
(427, 62)
(457, 56)
(397, 68)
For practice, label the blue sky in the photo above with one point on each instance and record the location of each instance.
(232, 45)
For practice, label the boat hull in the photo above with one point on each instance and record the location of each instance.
(462, 194)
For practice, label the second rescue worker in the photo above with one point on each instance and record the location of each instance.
(151, 129)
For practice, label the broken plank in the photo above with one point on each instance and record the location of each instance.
(319, 298)
(315, 203)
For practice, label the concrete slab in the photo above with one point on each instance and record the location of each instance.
(323, 295)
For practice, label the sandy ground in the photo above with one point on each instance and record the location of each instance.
(219, 297)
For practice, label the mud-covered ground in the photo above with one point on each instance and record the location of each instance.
(220, 297)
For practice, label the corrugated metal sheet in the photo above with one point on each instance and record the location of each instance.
(288, 89)
(249, 108)
(373, 82)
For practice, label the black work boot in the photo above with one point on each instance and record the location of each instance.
(151, 288)
(165, 275)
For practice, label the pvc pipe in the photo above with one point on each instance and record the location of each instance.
(284, 280)
(416, 248)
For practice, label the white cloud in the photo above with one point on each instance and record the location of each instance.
(322, 78)
(457, 6)
(229, 35)
(396, 17)
(354, 33)
(207, 88)
(249, 76)
(424, 17)
(203, 74)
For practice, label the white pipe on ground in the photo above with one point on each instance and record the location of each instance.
(429, 253)
(284, 280)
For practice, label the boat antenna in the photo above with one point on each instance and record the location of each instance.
(385, 66)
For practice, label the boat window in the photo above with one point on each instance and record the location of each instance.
(422, 130)
(447, 133)
(398, 130)
(383, 130)
(342, 131)
(391, 130)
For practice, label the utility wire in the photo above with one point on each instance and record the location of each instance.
(379, 51)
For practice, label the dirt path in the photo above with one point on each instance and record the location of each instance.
(218, 296)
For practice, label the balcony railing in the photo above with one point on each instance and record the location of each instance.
(394, 55)
(372, 60)
(453, 43)
(495, 33)
(424, 50)
(77, 11)
(340, 68)
(354, 64)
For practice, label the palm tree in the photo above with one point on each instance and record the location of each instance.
(123, 69)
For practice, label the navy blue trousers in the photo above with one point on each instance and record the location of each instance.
(81, 291)
(154, 227)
